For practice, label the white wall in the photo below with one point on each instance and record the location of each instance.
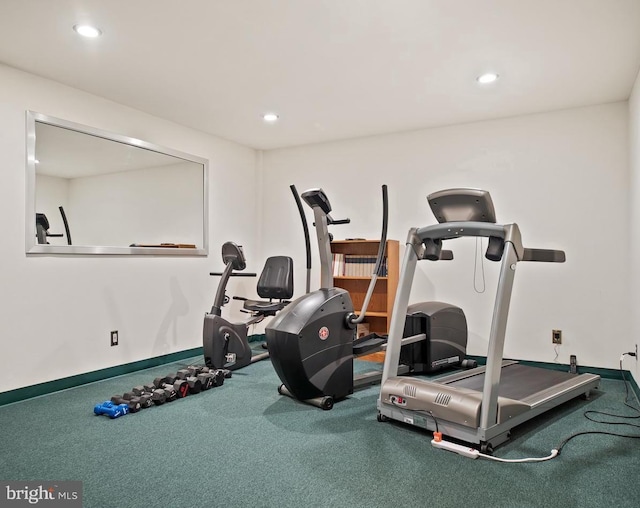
(57, 311)
(634, 162)
(562, 176)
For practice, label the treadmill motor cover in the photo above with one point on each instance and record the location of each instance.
(445, 326)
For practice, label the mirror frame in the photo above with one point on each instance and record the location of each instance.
(32, 247)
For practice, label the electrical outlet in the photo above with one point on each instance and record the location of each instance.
(114, 338)
(556, 336)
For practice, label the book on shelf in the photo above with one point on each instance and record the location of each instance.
(362, 330)
(338, 264)
(354, 265)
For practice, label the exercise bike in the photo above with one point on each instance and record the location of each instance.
(312, 343)
(226, 344)
(42, 228)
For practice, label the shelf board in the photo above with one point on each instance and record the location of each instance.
(349, 277)
(352, 242)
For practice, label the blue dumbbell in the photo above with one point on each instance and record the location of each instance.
(110, 409)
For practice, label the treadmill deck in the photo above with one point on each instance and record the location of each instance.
(517, 381)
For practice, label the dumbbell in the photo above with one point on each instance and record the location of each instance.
(169, 388)
(178, 381)
(141, 393)
(134, 403)
(219, 376)
(206, 380)
(191, 371)
(144, 400)
(181, 386)
(110, 409)
(146, 397)
(211, 379)
(194, 384)
(190, 376)
(160, 382)
(197, 369)
(158, 395)
(161, 392)
(169, 393)
(204, 370)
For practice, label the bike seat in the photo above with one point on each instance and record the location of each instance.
(275, 282)
(264, 307)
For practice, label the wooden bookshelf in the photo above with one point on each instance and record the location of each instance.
(378, 314)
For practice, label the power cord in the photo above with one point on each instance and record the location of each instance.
(554, 453)
(436, 422)
(588, 414)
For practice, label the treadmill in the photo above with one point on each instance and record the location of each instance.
(481, 405)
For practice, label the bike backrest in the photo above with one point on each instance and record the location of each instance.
(276, 279)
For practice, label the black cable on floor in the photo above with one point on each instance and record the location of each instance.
(588, 416)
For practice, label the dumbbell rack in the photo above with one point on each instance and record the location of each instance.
(191, 380)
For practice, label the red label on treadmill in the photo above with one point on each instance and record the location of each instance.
(323, 333)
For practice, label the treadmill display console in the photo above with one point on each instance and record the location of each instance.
(462, 205)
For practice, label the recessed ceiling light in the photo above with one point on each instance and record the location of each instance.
(488, 77)
(87, 30)
(270, 117)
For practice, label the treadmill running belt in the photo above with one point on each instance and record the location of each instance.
(518, 381)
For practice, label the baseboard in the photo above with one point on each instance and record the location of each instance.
(29, 392)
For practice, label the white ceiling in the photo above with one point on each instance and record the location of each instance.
(332, 69)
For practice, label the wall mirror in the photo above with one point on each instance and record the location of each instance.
(94, 192)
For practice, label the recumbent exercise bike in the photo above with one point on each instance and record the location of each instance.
(226, 344)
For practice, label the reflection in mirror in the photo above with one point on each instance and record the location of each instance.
(117, 195)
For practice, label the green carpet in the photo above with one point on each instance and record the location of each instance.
(243, 445)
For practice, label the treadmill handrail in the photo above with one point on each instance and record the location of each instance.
(449, 230)
(508, 232)
(544, 255)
